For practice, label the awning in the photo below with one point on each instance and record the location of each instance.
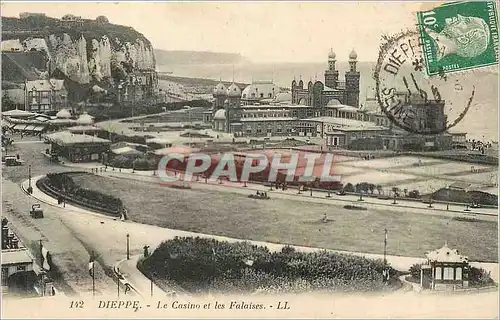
(29, 127)
(38, 129)
(20, 126)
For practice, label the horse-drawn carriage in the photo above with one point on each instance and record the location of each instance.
(36, 212)
(261, 195)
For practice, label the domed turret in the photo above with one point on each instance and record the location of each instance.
(353, 55)
(63, 114)
(219, 90)
(85, 119)
(220, 115)
(332, 54)
(233, 91)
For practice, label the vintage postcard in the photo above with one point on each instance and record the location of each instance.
(249, 159)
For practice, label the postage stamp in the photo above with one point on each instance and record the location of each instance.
(459, 36)
(411, 100)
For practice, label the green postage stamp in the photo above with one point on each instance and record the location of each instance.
(459, 36)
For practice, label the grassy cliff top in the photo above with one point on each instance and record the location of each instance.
(42, 27)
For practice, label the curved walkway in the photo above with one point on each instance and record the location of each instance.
(109, 236)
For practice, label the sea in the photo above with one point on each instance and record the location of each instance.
(480, 122)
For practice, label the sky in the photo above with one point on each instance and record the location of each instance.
(264, 32)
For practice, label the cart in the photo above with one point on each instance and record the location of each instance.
(36, 212)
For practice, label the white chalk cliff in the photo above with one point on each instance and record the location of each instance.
(85, 60)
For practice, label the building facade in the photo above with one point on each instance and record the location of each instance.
(45, 95)
(319, 94)
(20, 270)
(140, 85)
(446, 269)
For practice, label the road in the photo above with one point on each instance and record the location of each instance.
(68, 253)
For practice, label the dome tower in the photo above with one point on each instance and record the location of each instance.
(352, 81)
(331, 74)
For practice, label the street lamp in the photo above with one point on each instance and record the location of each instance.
(128, 246)
(30, 189)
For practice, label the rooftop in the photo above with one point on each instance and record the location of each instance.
(181, 150)
(158, 141)
(68, 138)
(84, 128)
(15, 256)
(125, 150)
(45, 85)
(267, 119)
(347, 124)
(445, 254)
(17, 113)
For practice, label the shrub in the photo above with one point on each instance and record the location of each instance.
(201, 263)
(351, 207)
(479, 277)
(414, 194)
(415, 271)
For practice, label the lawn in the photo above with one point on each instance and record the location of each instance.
(444, 168)
(391, 162)
(295, 222)
(377, 177)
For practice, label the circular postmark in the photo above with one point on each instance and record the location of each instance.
(410, 99)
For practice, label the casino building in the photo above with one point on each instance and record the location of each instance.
(262, 109)
(329, 109)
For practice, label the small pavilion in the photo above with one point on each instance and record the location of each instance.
(446, 269)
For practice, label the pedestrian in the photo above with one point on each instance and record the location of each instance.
(17, 156)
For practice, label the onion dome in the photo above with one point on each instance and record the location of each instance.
(332, 54)
(353, 55)
(63, 114)
(220, 115)
(219, 90)
(233, 91)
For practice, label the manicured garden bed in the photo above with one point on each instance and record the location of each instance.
(201, 265)
(62, 186)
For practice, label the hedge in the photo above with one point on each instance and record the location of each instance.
(64, 185)
(243, 267)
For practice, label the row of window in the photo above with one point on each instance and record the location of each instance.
(265, 115)
(306, 124)
(253, 95)
(447, 273)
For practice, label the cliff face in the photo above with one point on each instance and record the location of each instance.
(86, 52)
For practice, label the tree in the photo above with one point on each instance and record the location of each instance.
(358, 187)
(349, 187)
(395, 191)
(7, 103)
(371, 187)
(380, 190)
